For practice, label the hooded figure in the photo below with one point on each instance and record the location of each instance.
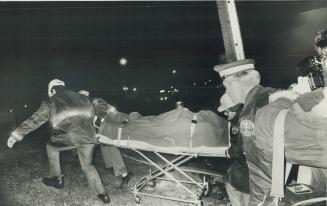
(304, 130)
(71, 117)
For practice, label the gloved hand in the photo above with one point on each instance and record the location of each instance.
(302, 85)
(111, 109)
(11, 141)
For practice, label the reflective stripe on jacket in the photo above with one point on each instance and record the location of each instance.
(71, 116)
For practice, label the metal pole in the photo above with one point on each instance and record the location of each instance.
(230, 30)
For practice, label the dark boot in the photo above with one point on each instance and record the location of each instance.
(104, 197)
(55, 181)
(126, 179)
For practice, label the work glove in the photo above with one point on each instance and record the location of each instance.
(111, 109)
(11, 141)
(302, 85)
(14, 137)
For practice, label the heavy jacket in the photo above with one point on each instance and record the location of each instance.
(237, 173)
(256, 98)
(70, 115)
(305, 143)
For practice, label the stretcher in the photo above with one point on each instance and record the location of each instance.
(181, 133)
(182, 156)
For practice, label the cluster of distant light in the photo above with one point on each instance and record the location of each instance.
(126, 89)
(165, 98)
(209, 82)
(12, 110)
(162, 91)
(171, 91)
(205, 83)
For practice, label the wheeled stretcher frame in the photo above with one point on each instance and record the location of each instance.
(148, 180)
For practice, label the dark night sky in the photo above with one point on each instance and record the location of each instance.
(82, 42)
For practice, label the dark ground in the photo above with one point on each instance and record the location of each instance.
(23, 167)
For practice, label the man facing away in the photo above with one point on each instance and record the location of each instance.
(71, 117)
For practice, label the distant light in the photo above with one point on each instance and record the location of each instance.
(171, 87)
(134, 89)
(166, 98)
(174, 71)
(162, 91)
(123, 61)
(161, 98)
(125, 88)
(205, 83)
(25, 106)
(11, 110)
(194, 84)
(209, 80)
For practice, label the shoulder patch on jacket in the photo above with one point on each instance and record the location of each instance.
(247, 127)
(235, 130)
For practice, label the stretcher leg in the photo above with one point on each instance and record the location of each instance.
(163, 170)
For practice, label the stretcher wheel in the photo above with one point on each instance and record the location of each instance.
(138, 199)
(151, 184)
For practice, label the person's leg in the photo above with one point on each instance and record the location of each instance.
(106, 156)
(85, 155)
(55, 178)
(54, 160)
(112, 157)
(236, 197)
(53, 153)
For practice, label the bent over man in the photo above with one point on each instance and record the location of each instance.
(71, 117)
(111, 155)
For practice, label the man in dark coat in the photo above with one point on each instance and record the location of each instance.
(304, 130)
(111, 155)
(242, 85)
(71, 117)
(237, 181)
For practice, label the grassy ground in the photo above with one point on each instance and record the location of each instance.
(23, 168)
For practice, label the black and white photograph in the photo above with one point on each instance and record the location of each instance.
(163, 103)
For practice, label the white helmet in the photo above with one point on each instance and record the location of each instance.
(52, 83)
(84, 92)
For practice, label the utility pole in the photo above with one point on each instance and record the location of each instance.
(230, 30)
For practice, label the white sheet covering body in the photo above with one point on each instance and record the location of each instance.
(169, 132)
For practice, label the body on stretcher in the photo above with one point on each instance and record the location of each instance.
(179, 132)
